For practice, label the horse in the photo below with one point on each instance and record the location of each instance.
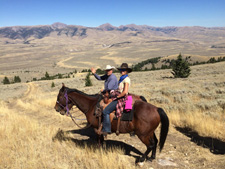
(146, 118)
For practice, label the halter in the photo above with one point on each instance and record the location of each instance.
(68, 111)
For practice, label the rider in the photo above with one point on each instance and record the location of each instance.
(111, 82)
(124, 84)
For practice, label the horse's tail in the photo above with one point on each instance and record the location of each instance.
(143, 99)
(164, 127)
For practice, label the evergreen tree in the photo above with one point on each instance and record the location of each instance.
(6, 80)
(47, 76)
(88, 80)
(180, 68)
(60, 76)
(17, 79)
(153, 67)
(53, 85)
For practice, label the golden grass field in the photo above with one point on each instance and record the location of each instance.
(34, 135)
(79, 52)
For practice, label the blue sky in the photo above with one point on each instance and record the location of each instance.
(208, 13)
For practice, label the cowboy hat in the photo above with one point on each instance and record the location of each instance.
(108, 67)
(124, 66)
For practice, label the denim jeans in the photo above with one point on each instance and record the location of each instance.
(106, 120)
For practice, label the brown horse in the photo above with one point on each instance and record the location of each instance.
(145, 120)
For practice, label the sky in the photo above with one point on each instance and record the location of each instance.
(92, 13)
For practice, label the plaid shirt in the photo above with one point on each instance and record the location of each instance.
(120, 104)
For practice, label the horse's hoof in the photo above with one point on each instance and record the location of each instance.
(140, 164)
(117, 133)
(149, 159)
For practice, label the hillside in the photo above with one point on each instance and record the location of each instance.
(60, 46)
(34, 135)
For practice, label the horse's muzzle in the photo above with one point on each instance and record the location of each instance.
(59, 109)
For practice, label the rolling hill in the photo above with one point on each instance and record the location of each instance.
(60, 47)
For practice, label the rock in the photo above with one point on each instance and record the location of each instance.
(166, 162)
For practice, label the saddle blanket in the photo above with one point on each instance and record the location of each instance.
(126, 116)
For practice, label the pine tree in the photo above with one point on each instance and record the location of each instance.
(53, 85)
(47, 76)
(88, 80)
(180, 68)
(17, 79)
(6, 80)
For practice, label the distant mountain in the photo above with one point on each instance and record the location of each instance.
(39, 32)
(107, 27)
(58, 25)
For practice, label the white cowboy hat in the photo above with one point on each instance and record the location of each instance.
(108, 67)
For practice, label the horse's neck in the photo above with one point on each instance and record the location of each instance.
(83, 102)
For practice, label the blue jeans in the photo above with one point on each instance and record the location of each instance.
(106, 120)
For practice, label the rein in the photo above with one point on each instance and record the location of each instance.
(68, 112)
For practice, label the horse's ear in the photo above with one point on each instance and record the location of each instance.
(63, 86)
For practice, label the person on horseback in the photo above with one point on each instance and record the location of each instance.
(111, 82)
(119, 98)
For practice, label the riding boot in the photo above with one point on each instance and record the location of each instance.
(118, 126)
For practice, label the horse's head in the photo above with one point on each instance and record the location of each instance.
(62, 101)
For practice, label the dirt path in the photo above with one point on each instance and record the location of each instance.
(31, 90)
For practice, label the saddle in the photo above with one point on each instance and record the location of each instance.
(126, 115)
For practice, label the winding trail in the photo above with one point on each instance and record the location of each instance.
(31, 90)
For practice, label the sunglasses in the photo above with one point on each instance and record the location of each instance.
(122, 70)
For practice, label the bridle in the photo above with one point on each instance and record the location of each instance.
(67, 100)
(68, 111)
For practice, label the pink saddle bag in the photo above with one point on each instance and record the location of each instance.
(128, 104)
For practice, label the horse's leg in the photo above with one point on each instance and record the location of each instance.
(98, 138)
(150, 143)
(99, 125)
(101, 139)
(154, 148)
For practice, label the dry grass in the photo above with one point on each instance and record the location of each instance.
(28, 143)
(204, 125)
(29, 122)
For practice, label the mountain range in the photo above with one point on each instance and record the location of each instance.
(39, 32)
(80, 47)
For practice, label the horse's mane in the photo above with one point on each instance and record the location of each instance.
(80, 92)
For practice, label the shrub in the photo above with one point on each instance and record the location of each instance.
(88, 80)
(180, 68)
(17, 79)
(47, 76)
(99, 71)
(60, 76)
(53, 85)
(6, 80)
